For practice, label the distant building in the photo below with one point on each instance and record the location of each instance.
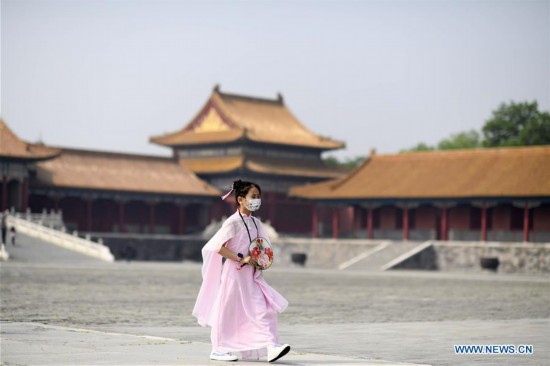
(500, 194)
(239, 137)
(101, 191)
(232, 137)
(16, 161)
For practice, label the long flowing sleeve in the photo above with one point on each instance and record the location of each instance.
(211, 272)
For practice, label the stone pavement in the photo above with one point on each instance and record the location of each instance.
(58, 309)
(39, 344)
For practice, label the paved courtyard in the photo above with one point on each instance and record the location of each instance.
(348, 318)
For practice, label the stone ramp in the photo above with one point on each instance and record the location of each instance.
(379, 258)
(33, 250)
(60, 237)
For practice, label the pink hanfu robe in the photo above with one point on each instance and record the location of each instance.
(237, 302)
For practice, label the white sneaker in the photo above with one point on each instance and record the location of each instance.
(276, 351)
(223, 357)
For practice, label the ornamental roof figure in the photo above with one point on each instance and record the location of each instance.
(229, 117)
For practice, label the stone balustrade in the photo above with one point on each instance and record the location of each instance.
(60, 237)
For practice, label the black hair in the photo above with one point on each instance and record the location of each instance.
(241, 189)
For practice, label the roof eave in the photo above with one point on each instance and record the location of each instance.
(42, 185)
(458, 199)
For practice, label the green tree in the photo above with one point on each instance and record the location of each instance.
(517, 124)
(332, 161)
(347, 164)
(462, 140)
(537, 132)
(514, 124)
(419, 147)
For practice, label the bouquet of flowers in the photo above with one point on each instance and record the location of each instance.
(261, 253)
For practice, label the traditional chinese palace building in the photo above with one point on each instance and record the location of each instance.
(484, 194)
(239, 137)
(100, 191)
(16, 161)
(498, 194)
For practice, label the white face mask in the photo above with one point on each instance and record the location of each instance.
(253, 204)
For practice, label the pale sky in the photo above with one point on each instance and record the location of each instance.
(107, 75)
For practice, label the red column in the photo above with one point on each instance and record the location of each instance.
(526, 222)
(25, 195)
(335, 223)
(314, 221)
(89, 214)
(121, 226)
(405, 222)
(4, 192)
(369, 223)
(356, 218)
(181, 219)
(484, 222)
(151, 217)
(444, 223)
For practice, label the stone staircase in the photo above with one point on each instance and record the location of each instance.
(384, 256)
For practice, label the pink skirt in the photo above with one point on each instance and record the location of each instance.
(244, 316)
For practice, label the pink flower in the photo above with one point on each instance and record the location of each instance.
(269, 253)
(255, 254)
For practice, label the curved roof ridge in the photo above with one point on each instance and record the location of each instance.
(119, 154)
(351, 174)
(478, 150)
(11, 146)
(279, 99)
(171, 138)
(260, 120)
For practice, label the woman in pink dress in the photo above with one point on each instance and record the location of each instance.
(234, 299)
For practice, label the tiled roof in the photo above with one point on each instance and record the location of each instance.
(228, 117)
(214, 165)
(120, 172)
(191, 138)
(260, 165)
(12, 147)
(497, 172)
(279, 167)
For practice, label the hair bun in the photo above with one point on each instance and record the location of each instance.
(235, 184)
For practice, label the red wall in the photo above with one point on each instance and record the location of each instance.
(74, 212)
(104, 215)
(541, 218)
(37, 203)
(459, 217)
(425, 217)
(501, 217)
(167, 214)
(388, 217)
